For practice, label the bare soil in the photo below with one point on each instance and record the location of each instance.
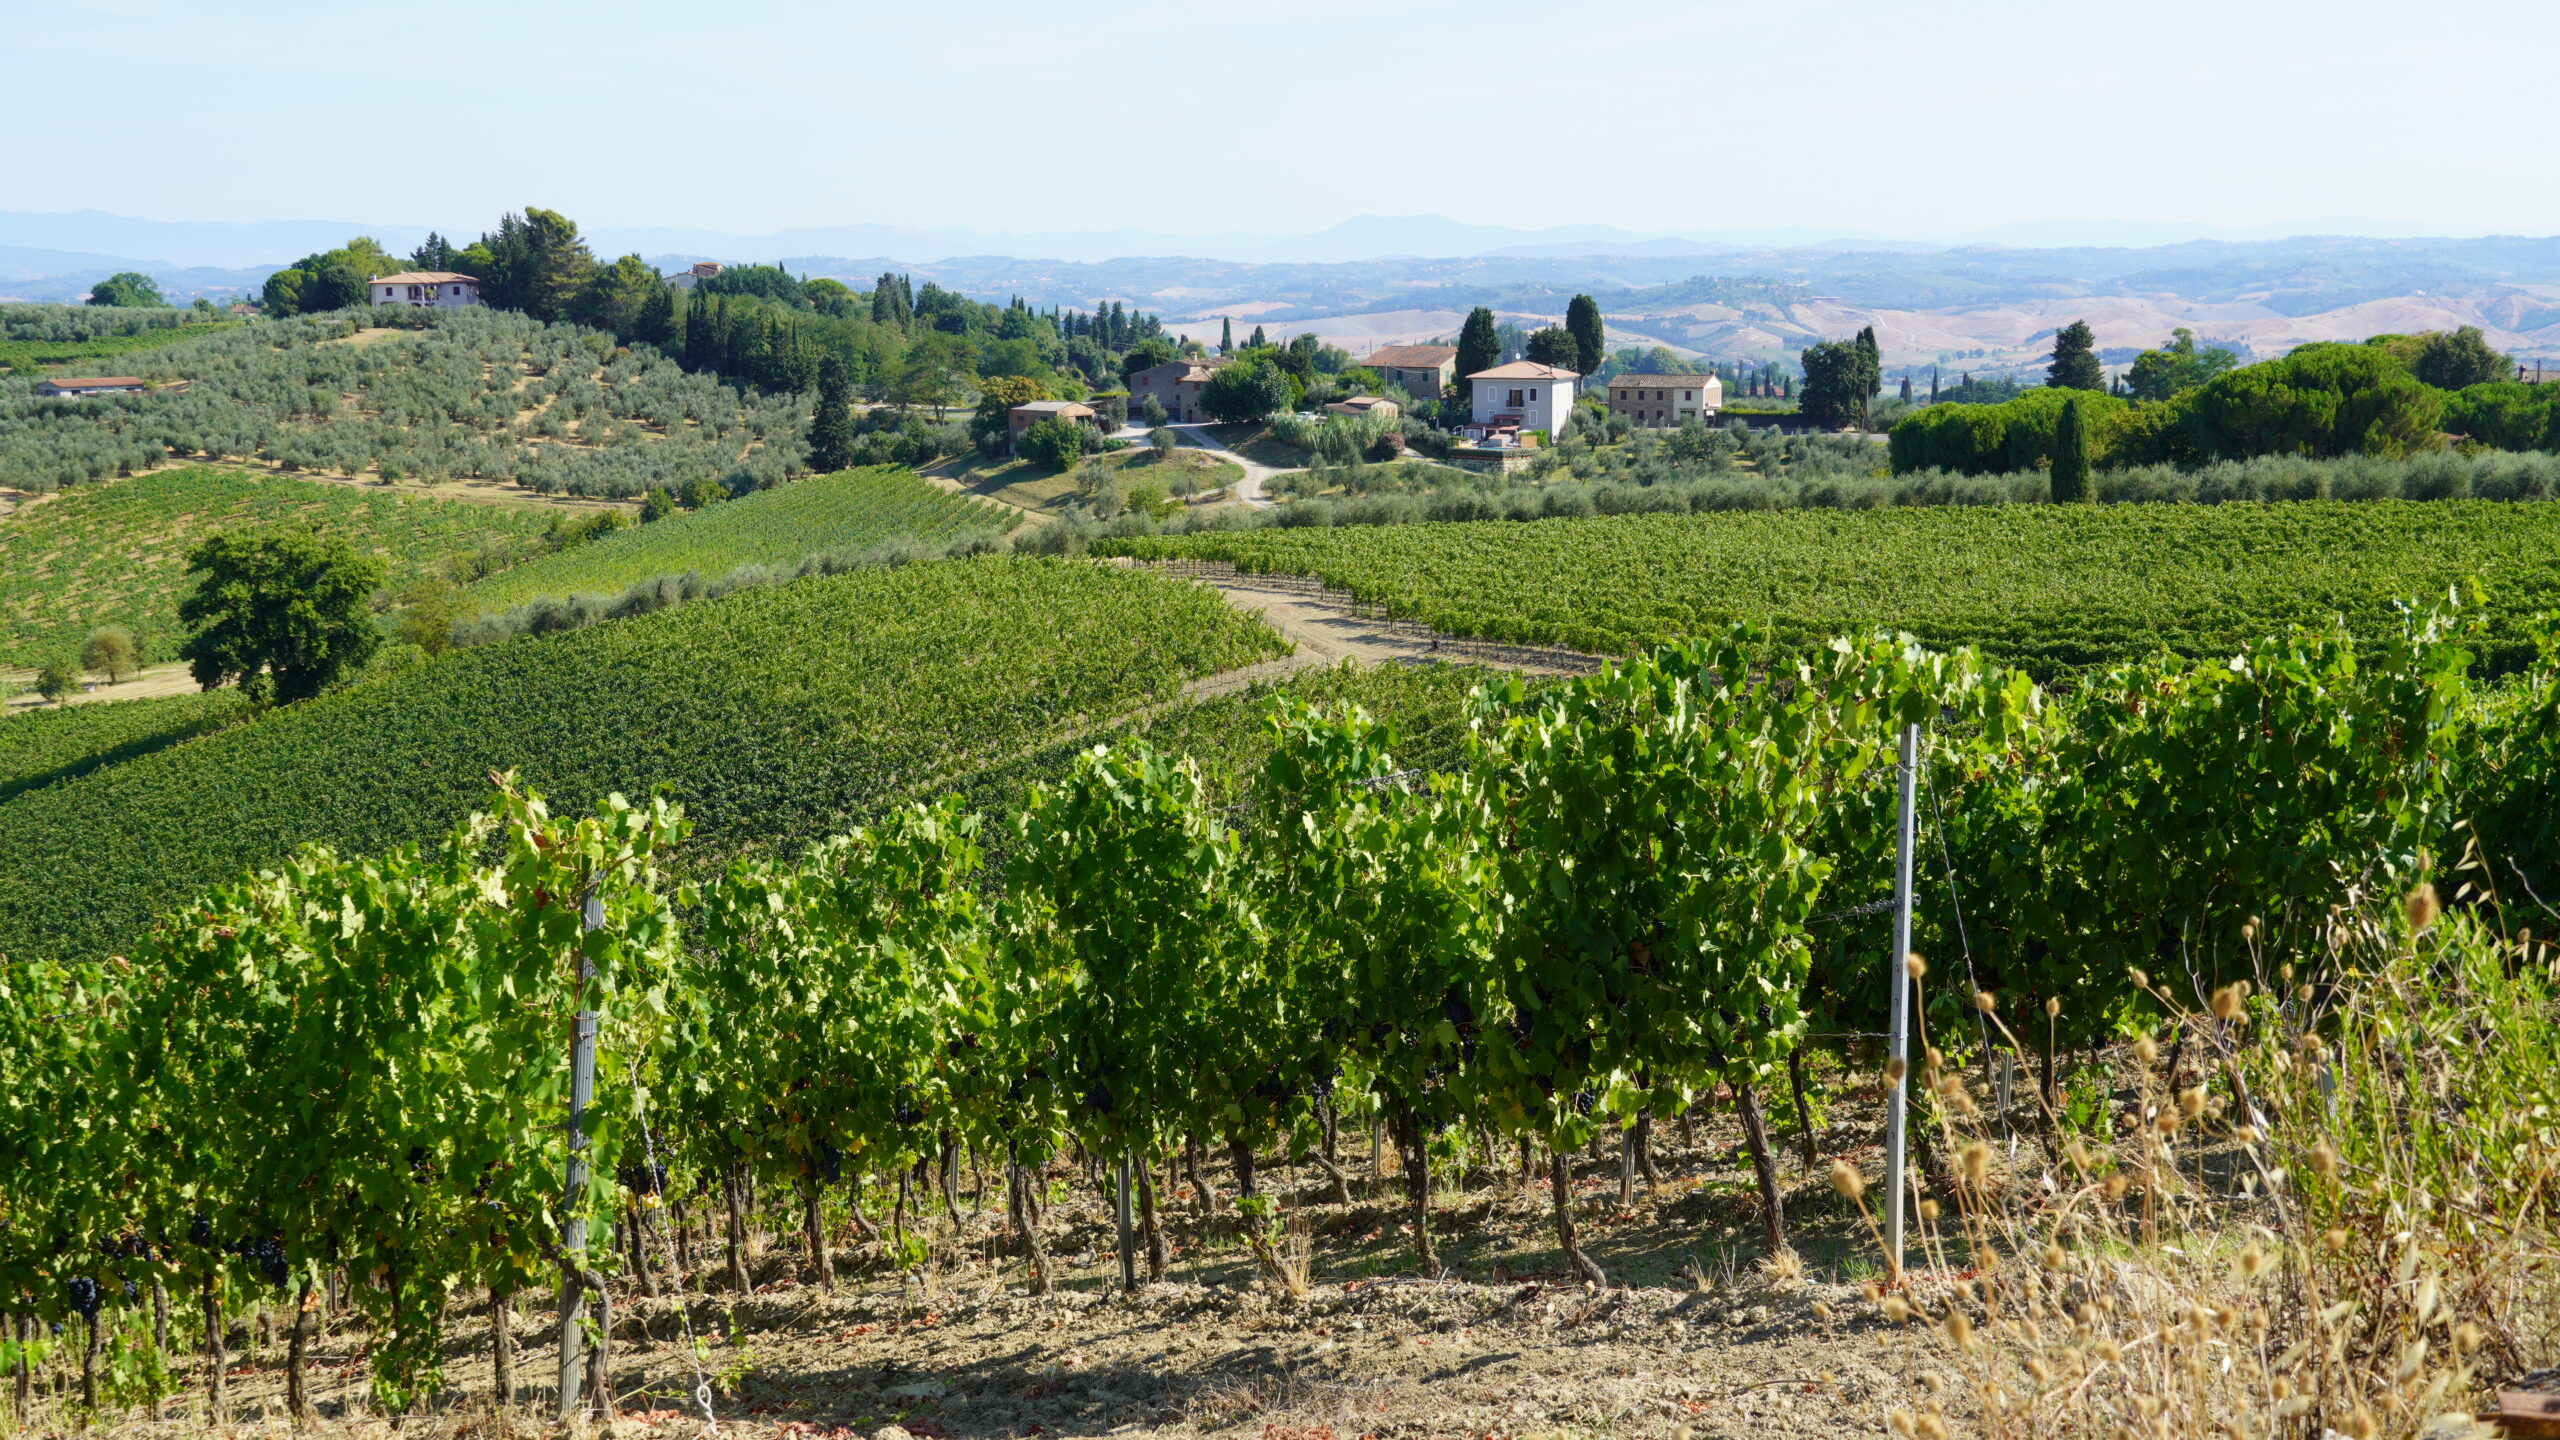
(150, 683)
(1692, 1331)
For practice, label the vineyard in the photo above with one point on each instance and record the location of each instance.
(115, 553)
(469, 393)
(770, 714)
(2052, 589)
(46, 747)
(781, 526)
(33, 355)
(1623, 897)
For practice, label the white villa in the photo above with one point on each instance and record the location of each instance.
(1521, 396)
(425, 287)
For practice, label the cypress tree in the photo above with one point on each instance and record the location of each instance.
(2070, 455)
(1870, 376)
(1257, 342)
(1906, 389)
(701, 333)
(1479, 348)
(831, 428)
(1590, 342)
(1226, 335)
(656, 322)
(2075, 359)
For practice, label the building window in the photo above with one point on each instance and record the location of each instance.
(1516, 401)
(1533, 394)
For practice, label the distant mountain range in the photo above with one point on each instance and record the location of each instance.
(166, 244)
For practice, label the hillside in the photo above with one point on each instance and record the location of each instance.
(114, 552)
(770, 714)
(2050, 588)
(421, 394)
(848, 511)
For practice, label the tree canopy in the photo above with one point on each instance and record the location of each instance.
(129, 287)
(2075, 359)
(1479, 348)
(2175, 367)
(285, 613)
(1582, 317)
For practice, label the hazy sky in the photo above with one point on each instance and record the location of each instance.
(754, 115)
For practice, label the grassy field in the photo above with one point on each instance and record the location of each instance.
(848, 511)
(1035, 488)
(2051, 588)
(1257, 442)
(114, 552)
(771, 714)
(46, 747)
(37, 355)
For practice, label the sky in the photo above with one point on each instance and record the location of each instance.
(754, 116)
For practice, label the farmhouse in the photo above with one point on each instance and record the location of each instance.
(425, 287)
(1365, 405)
(702, 270)
(1422, 371)
(91, 385)
(1023, 417)
(1176, 385)
(1665, 400)
(1519, 397)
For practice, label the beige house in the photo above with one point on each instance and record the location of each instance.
(1365, 405)
(1424, 372)
(702, 270)
(441, 288)
(87, 385)
(1176, 385)
(1023, 417)
(1665, 401)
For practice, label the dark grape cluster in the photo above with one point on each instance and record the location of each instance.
(267, 1253)
(82, 1292)
(643, 1179)
(830, 1163)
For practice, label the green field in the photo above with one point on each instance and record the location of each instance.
(114, 552)
(48, 746)
(771, 714)
(2050, 588)
(849, 511)
(36, 354)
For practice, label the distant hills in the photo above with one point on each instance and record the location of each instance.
(1989, 297)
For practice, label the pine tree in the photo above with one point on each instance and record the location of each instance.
(2075, 360)
(1582, 317)
(1479, 348)
(1226, 336)
(831, 428)
(2070, 455)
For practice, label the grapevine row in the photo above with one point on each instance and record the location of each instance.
(1626, 898)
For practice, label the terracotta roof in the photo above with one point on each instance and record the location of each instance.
(92, 382)
(1411, 357)
(1525, 370)
(1663, 382)
(423, 277)
(1053, 407)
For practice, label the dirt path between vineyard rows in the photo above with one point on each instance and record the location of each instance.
(1328, 629)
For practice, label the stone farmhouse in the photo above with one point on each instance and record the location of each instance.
(1176, 385)
(1665, 401)
(1023, 417)
(425, 287)
(1421, 371)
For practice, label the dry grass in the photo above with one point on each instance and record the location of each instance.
(2339, 1224)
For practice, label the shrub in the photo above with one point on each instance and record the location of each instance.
(110, 651)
